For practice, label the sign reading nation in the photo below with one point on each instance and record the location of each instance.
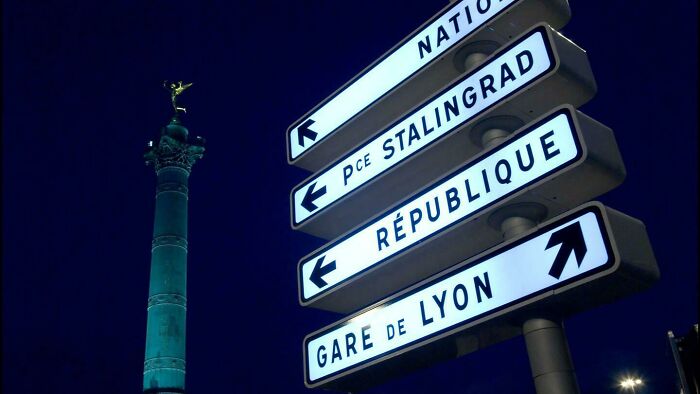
(535, 153)
(516, 67)
(415, 52)
(561, 255)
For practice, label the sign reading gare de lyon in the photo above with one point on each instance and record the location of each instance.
(580, 253)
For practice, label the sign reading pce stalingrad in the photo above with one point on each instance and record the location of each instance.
(575, 253)
(513, 68)
(423, 48)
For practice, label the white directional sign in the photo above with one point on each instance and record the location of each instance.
(417, 51)
(441, 33)
(514, 68)
(535, 153)
(563, 254)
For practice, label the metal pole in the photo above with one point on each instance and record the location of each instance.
(474, 59)
(545, 339)
(550, 359)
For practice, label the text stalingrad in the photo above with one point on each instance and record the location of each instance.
(513, 69)
(527, 157)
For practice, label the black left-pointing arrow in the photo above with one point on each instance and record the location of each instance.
(304, 131)
(571, 240)
(319, 272)
(311, 196)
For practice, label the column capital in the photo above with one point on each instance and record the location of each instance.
(173, 148)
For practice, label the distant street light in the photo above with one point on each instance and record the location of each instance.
(631, 384)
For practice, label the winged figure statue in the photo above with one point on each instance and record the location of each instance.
(176, 89)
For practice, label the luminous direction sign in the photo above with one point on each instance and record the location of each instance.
(553, 261)
(514, 68)
(535, 153)
(444, 31)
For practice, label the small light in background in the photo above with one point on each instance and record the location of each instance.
(631, 384)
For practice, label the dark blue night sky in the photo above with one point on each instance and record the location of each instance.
(82, 96)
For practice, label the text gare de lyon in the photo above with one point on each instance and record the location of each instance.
(432, 305)
(443, 113)
(473, 189)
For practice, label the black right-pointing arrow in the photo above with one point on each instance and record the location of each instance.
(571, 239)
(319, 272)
(311, 196)
(304, 131)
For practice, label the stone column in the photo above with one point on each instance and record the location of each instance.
(172, 157)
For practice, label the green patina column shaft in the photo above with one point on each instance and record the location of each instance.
(173, 157)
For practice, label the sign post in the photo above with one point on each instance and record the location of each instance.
(434, 168)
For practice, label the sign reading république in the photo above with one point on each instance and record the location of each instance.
(430, 44)
(536, 155)
(375, 174)
(577, 253)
